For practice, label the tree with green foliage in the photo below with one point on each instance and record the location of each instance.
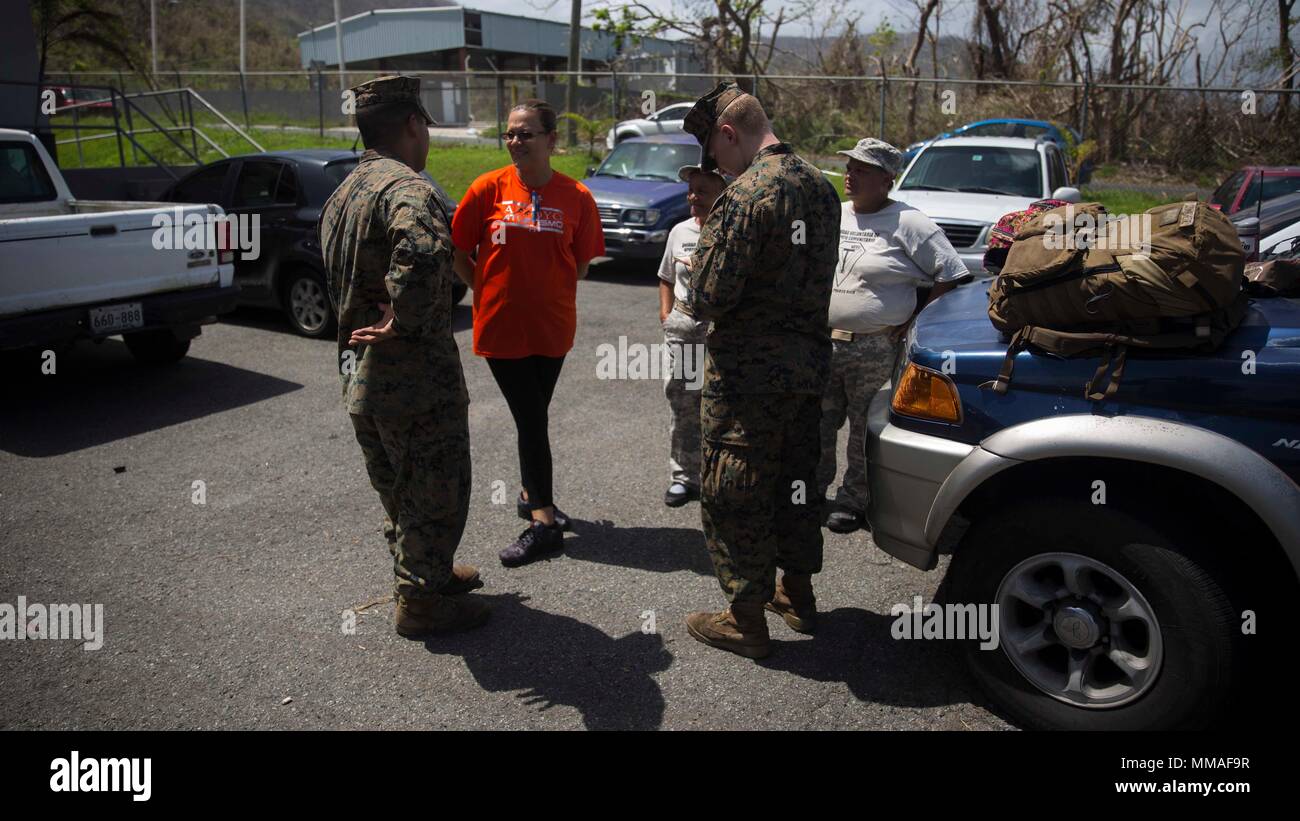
(591, 131)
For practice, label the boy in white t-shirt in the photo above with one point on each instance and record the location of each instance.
(684, 339)
(887, 250)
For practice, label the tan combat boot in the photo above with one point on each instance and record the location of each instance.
(794, 601)
(464, 578)
(438, 615)
(741, 628)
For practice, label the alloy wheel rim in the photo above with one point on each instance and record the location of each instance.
(307, 301)
(1078, 630)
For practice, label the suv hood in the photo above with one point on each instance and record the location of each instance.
(958, 324)
(951, 205)
(636, 193)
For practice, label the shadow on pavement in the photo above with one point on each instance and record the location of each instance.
(101, 394)
(271, 319)
(638, 272)
(553, 659)
(656, 549)
(855, 646)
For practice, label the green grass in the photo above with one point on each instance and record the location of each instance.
(453, 166)
(1125, 202)
(103, 153)
(456, 166)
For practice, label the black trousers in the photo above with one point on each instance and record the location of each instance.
(527, 385)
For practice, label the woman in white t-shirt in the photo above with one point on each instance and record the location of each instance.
(684, 339)
(887, 250)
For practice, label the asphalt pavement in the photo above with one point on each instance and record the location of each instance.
(233, 613)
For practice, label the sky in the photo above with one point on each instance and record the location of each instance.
(900, 13)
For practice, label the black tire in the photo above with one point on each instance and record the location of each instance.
(156, 347)
(458, 291)
(1188, 687)
(307, 304)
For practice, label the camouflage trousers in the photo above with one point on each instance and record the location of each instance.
(858, 369)
(758, 475)
(683, 338)
(420, 466)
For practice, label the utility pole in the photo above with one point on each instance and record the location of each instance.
(243, 87)
(571, 90)
(338, 44)
(153, 33)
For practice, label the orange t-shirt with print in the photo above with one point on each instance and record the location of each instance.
(529, 244)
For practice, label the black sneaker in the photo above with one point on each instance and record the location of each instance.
(840, 520)
(679, 493)
(526, 513)
(537, 542)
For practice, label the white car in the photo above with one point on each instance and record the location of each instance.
(1282, 243)
(667, 120)
(966, 184)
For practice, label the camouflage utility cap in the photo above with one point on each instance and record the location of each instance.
(702, 118)
(394, 88)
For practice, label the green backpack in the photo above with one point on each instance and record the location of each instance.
(1080, 283)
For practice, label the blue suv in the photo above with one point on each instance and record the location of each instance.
(639, 194)
(1130, 545)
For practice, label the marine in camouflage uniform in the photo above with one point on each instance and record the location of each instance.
(385, 240)
(762, 272)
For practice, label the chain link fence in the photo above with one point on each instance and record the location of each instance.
(1188, 130)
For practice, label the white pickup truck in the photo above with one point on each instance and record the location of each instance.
(74, 269)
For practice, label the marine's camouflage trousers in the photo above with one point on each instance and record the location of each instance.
(683, 338)
(757, 495)
(858, 368)
(420, 465)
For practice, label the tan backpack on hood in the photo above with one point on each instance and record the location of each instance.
(1079, 283)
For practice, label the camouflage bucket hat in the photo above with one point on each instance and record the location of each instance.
(878, 153)
(394, 88)
(704, 115)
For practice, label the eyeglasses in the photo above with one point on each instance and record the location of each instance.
(521, 136)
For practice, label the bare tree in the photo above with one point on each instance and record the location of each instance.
(1285, 55)
(926, 8)
(72, 24)
(736, 37)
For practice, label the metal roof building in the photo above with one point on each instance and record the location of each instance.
(456, 38)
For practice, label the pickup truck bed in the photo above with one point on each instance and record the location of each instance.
(76, 269)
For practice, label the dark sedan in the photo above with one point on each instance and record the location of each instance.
(287, 190)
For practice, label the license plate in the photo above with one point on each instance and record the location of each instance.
(115, 318)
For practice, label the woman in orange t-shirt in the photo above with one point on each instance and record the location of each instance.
(524, 235)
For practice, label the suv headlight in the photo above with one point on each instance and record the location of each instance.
(641, 216)
(926, 394)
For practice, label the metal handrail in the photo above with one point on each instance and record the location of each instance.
(224, 119)
(129, 105)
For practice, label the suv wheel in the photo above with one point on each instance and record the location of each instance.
(307, 304)
(1105, 621)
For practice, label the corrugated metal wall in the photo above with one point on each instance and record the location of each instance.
(386, 34)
